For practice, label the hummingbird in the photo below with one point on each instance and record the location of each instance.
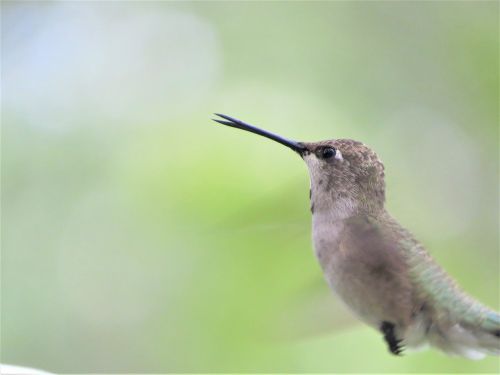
(376, 266)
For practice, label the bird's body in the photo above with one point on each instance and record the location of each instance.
(374, 265)
(400, 286)
(380, 271)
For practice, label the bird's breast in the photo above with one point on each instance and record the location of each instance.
(326, 239)
(336, 265)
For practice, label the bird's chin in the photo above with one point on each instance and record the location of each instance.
(307, 156)
(312, 163)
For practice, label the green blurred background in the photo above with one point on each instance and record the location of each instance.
(139, 236)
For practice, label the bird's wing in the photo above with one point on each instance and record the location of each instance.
(453, 321)
(458, 323)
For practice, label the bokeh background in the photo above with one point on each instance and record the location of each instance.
(139, 236)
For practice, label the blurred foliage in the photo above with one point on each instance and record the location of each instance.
(138, 236)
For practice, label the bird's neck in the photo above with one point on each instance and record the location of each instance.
(337, 206)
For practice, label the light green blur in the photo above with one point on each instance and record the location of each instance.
(140, 236)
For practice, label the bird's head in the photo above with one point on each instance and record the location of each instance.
(346, 175)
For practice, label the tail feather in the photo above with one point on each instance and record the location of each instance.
(472, 335)
(466, 340)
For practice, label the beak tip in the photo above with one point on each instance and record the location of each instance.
(235, 123)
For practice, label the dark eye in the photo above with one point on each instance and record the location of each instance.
(328, 152)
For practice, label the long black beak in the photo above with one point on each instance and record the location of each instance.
(235, 123)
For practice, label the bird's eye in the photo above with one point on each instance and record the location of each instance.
(328, 152)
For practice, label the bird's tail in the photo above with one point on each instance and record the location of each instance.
(473, 336)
